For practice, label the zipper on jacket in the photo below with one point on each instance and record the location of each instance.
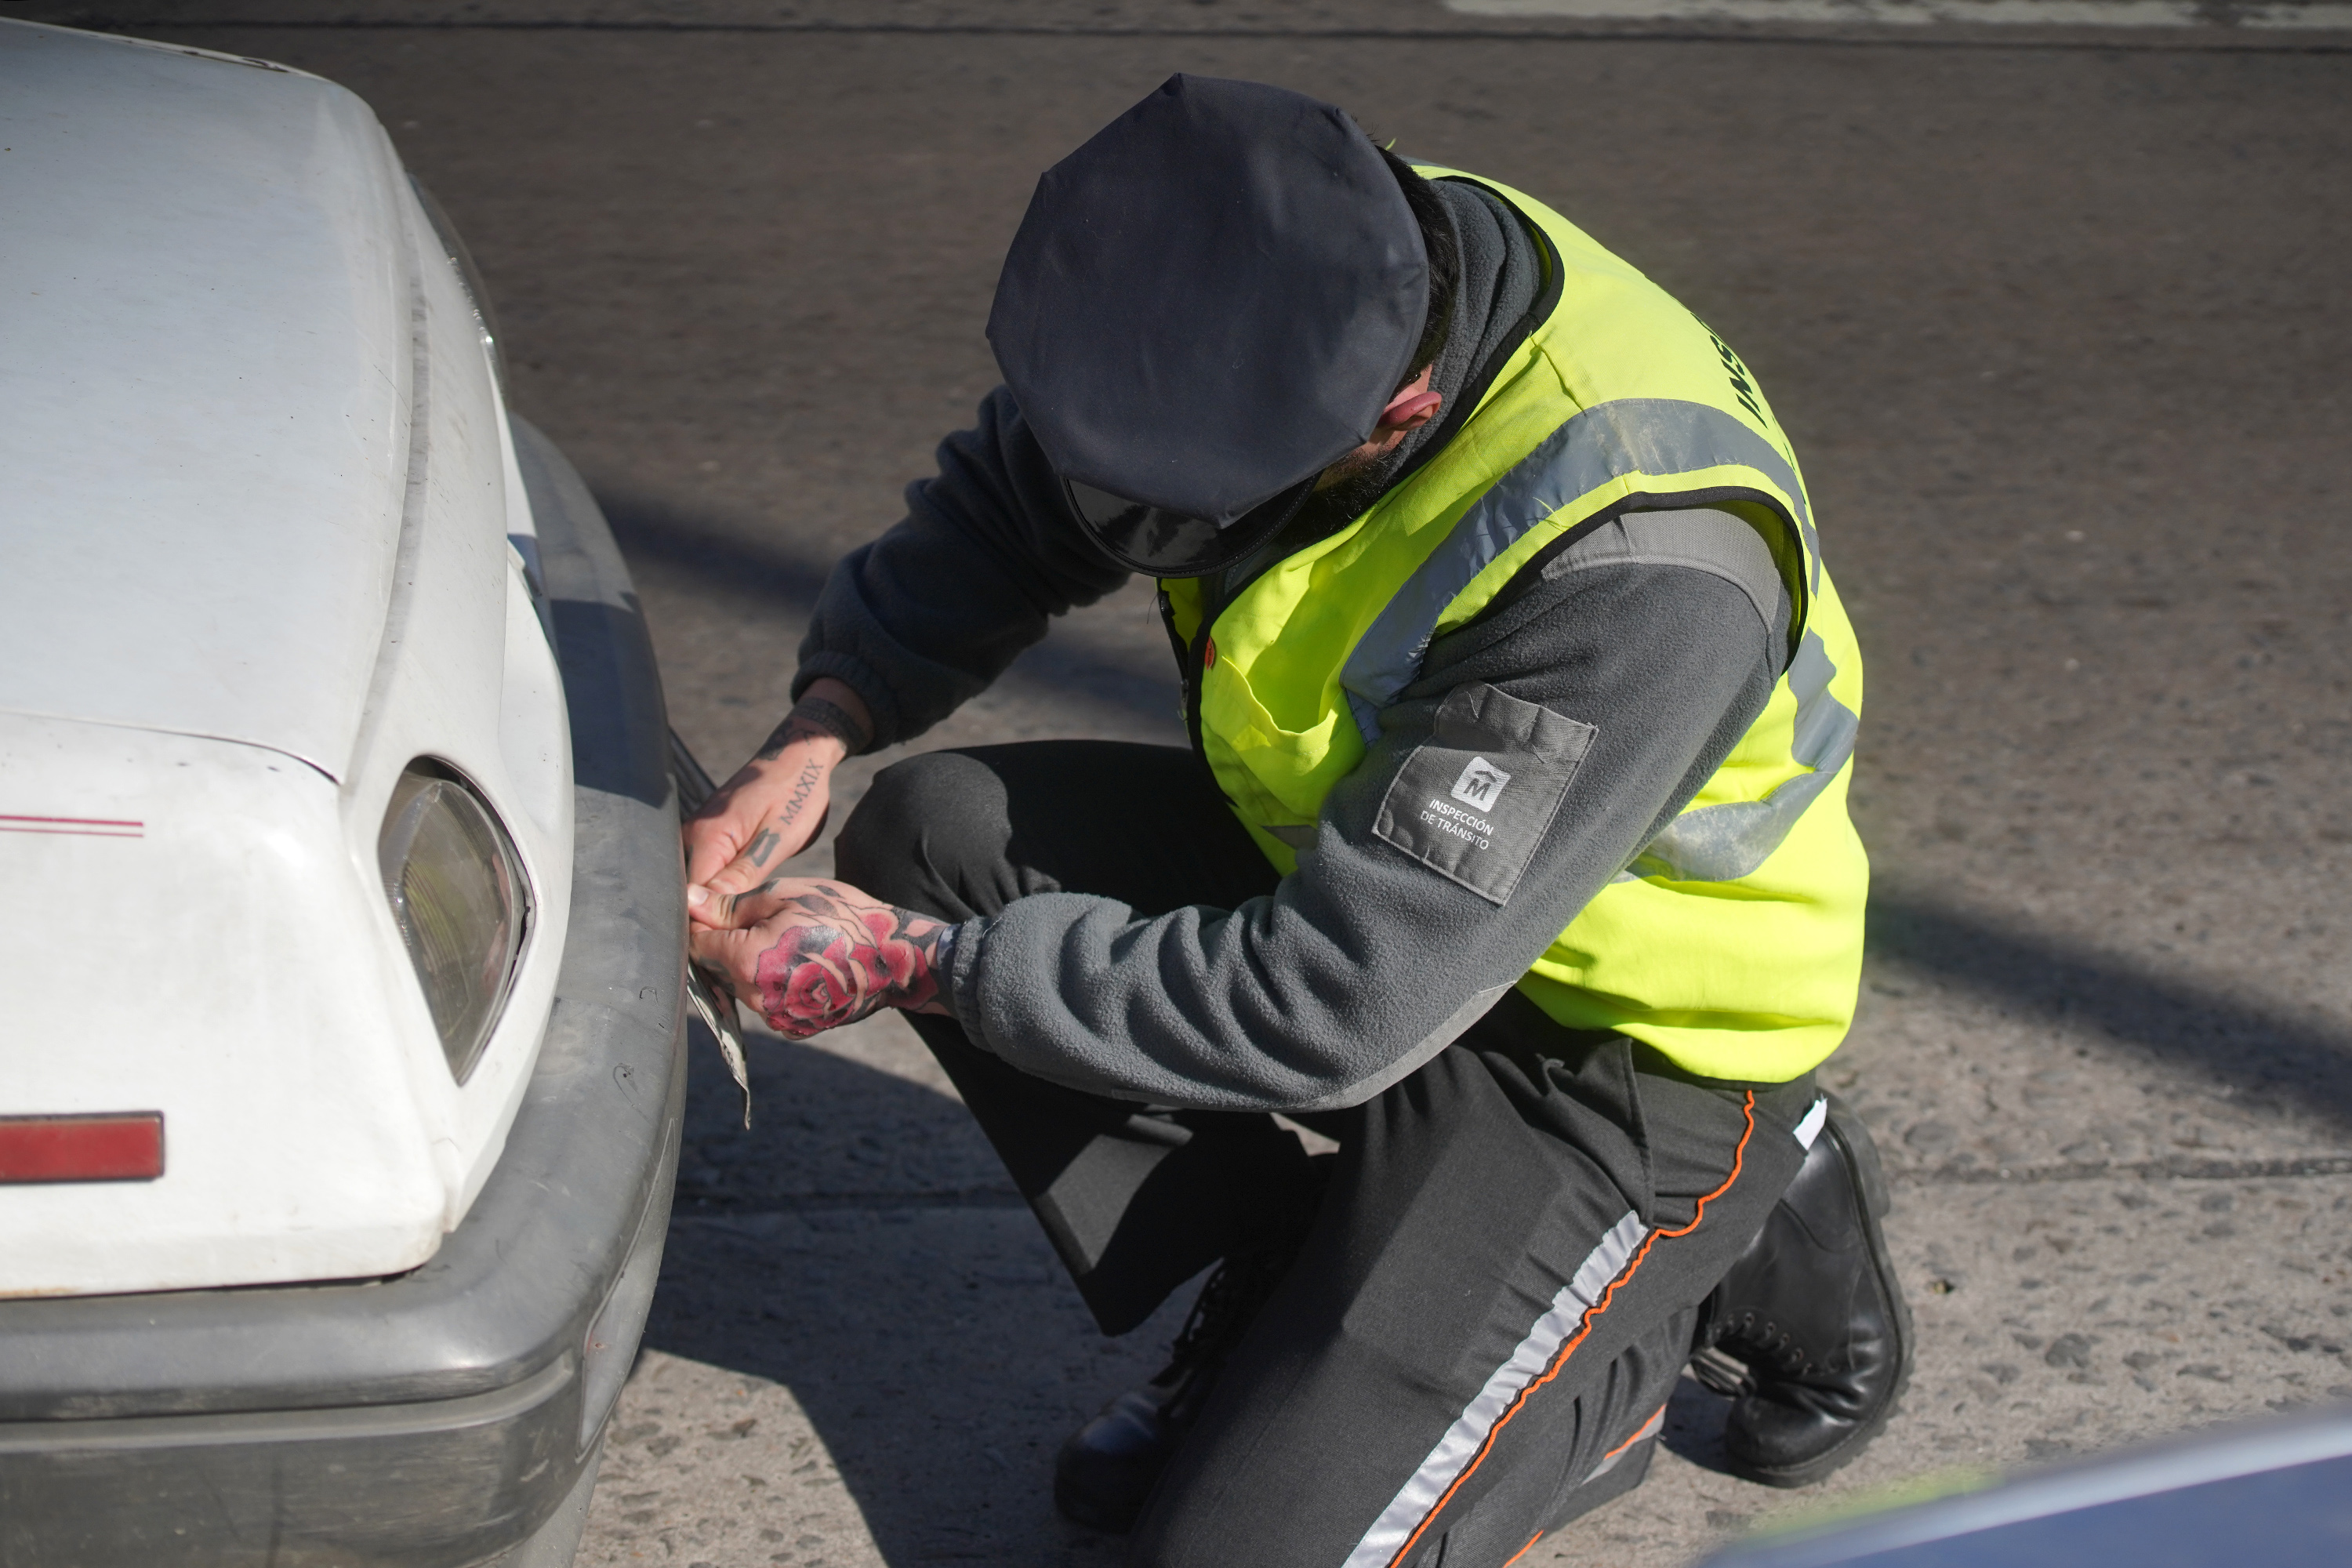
(1192, 658)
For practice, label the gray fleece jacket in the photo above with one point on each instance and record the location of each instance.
(1609, 680)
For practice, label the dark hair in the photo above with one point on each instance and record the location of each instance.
(1445, 259)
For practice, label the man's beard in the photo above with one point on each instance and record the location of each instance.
(1356, 484)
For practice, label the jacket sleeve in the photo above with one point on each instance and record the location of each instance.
(1605, 696)
(924, 617)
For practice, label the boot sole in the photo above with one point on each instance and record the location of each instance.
(1847, 1450)
(1862, 1159)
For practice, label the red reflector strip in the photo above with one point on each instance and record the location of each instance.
(126, 1146)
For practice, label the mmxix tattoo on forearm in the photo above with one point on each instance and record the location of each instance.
(837, 961)
(763, 843)
(787, 819)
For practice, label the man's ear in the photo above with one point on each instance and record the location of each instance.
(1413, 407)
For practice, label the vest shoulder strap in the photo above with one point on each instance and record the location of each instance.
(1704, 538)
(1610, 448)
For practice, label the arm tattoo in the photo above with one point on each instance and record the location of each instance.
(763, 843)
(814, 716)
(841, 961)
(811, 774)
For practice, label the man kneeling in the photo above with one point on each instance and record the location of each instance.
(1510, 851)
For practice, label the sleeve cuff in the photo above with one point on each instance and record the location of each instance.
(852, 672)
(961, 990)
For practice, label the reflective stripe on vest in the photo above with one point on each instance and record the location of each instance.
(1724, 842)
(1612, 441)
(1732, 943)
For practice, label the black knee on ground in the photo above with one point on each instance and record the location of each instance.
(919, 838)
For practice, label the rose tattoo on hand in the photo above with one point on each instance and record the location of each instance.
(840, 966)
(814, 956)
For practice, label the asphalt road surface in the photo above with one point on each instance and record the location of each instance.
(2057, 322)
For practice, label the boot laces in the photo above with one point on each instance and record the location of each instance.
(1223, 1313)
(1722, 1372)
(1764, 1344)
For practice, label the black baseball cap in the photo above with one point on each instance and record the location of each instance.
(1206, 306)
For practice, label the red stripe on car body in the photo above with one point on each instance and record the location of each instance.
(111, 1146)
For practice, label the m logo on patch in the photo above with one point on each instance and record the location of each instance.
(1481, 784)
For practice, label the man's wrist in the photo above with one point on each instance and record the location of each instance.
(829, 707)
(942, 965)
(817, 714)
(815, 725)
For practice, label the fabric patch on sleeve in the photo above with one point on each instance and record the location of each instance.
(1474, 800)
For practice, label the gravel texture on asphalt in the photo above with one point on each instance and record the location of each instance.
(2057, 325)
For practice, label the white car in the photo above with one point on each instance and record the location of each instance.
(341, 926)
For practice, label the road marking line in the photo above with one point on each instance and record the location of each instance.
(2199, 15)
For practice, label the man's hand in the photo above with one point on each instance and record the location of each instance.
(769, 810)
(814, 955)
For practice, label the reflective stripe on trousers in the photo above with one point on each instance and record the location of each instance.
(1611, 1263)
(1419, 1497)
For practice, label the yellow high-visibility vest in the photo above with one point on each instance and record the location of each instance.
(1733, 941)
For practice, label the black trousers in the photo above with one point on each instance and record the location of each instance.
(1501, 1267)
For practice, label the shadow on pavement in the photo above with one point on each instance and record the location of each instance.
(2268, 1058)
(1076, 660)
(1693, 1428)
(651, 530)
(859, 1245)
(826, 1129)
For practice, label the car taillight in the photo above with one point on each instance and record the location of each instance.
(457, 894)
(119, 1146)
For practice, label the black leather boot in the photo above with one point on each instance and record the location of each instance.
(1107, 1469)
(1810, 1331)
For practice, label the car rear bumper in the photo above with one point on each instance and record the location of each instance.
(442, 1417)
